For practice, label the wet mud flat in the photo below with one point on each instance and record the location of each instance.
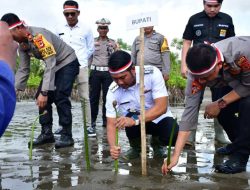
(66, 168)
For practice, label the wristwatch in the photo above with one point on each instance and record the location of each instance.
(222, 103)
(44, 93)
(136, 119)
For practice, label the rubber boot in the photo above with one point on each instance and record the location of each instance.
(191, 138)
(135, 149)
(159, 149)
(219, 135)
(45, 137)
(66, 139)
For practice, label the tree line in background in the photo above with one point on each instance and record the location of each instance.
(176, 84)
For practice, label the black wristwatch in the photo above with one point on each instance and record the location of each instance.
(44, 93)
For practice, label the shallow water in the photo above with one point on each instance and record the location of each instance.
(66, 168)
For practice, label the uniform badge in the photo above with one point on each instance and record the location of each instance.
(164, 46)
(198, 32)
(243, 63)
(113, 87)
(45, 48)
(223, 33)
(148, 70)
(196, 87)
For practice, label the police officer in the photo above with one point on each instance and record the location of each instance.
(125, 91)
(211, 26)
(225, 63)
(60, 71)
(156, 51)
(100, 78)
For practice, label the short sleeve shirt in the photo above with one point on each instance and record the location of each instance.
(201, 27)
(128, 99)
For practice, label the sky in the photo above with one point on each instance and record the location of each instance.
(173, 15)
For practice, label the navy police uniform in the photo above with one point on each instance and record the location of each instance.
(202, 28)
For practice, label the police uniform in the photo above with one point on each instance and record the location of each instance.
(236, 74)
(128, 100)
(156, 52)
(201, 27)
(60, 71)
(100, 78)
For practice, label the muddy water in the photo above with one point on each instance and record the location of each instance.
(66, 168)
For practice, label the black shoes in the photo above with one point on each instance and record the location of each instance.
(225, 150)
(43, 139)
(58, 131)
(64, 141)
(232, 166)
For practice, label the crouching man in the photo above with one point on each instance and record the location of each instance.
(224, 63)
(125, 92)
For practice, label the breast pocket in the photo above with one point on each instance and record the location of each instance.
(154, 45)
(199, 32)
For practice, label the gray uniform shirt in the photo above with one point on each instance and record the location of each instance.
(103, 50)
(63, 55)
(235, 73)
(156, 52)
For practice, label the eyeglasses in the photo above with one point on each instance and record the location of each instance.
(70, 13)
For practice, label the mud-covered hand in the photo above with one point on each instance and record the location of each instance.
(167, 168)
(41, 101)
(115, 152)
(212, 110)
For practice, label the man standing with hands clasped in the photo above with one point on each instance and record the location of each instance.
(100, 78)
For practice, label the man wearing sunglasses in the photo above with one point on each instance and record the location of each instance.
(211, 26)
(224, 63)
(79, 36)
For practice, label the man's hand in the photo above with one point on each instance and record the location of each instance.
(123, 122)
(166, 77)
(7, 46)
(167, 168)
(184, 71)
(212, 110)
(115, 151)
(41, 101)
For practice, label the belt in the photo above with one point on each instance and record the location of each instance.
(93, 67)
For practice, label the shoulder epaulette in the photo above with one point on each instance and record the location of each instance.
(113, 87)
(148, 70)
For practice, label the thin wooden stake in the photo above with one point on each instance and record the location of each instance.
(142, 103)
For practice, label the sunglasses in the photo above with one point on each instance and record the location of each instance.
(103, 28)
(72, 14)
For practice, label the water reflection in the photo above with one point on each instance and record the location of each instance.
(66, 168)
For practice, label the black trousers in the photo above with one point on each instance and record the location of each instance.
(64, 80)
(161, 130)
(98, 80)
(235, 119)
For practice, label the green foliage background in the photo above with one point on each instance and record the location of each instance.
(175, 79)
